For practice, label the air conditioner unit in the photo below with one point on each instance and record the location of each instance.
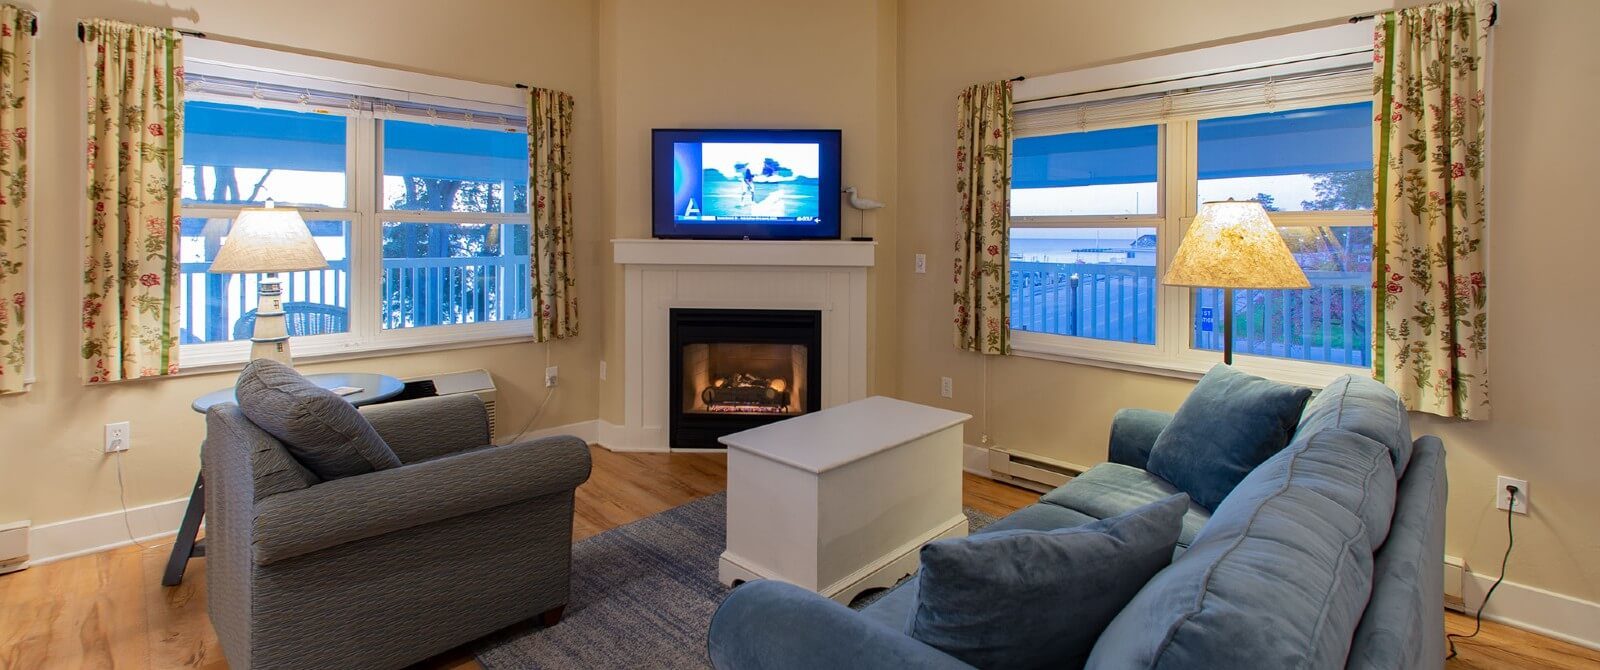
(476, 382)
(13, 546)
(1030, 471)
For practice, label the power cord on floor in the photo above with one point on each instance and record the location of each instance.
(122, 495)
(1477, 624)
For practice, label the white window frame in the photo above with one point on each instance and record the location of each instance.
(1173, 353)
(364, 197)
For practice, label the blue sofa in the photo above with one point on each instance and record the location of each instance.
(1327, 555)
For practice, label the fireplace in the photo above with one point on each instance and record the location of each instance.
(735, 369)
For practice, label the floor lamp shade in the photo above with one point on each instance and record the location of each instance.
(1233, 244)
(269, 240)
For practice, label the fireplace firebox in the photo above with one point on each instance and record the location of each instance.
(735, 369)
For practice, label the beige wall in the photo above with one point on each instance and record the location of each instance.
(51, 467)
(743, 64)
(1544, 367)
(886, 73)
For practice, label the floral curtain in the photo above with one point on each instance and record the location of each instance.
(1430, 209)
(16, 68)
(555, 295)
(983, 196)
(134, 80)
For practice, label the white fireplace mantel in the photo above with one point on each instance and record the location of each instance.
(763, 253)
(661, 275)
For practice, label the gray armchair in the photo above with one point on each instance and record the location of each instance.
(390, 567)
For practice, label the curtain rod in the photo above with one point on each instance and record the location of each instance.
(1494, 15)
(1187, 77)
(188, 33)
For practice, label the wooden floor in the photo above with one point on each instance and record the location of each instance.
(109, 609)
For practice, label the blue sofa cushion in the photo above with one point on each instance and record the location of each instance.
(894, 608)
(1035, 599)
(1363, 406)
(1109, 489)
(1227, 426)
(1281, 574)
(320, 429)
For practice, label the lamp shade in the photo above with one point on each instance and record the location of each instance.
(268, 239)
(1232, 244)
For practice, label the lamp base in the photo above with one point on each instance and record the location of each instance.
(270, 340)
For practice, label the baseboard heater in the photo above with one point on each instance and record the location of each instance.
(1031, 471)
(476, 382)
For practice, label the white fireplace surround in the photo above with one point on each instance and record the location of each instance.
(659, 275)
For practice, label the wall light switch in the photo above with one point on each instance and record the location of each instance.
(947, 387)
(602, 370)
(922, 264)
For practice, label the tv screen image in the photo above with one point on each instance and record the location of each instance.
(749, 181)
(760, 184)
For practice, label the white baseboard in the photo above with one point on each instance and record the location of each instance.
(588, 431)
(975, 459)
(1536, 610)
(619, 438)
(102, 532)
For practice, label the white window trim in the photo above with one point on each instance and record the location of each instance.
(363, 198)
(1172, 354)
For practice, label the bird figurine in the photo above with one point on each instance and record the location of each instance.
(861, 203)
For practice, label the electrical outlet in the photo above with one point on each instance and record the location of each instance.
(947, 387)
(922, 264)
(602, 370)
(1502, 499)
(118, 436)
(550, 374)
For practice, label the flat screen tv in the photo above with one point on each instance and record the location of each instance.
(746, 184)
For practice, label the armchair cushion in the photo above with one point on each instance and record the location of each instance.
(1031, 599)
(320, 429)
(425, 428)
(1230, 424)
(354, 508)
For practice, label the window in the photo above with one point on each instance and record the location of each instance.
(421, 212)
(1099, 202)
(1086, 282)
(1103, 172)
(1299, 160)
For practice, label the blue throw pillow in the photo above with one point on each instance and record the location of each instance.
(1230, 424)
(1039, 599)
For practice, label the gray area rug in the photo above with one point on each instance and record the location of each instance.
(642, 597)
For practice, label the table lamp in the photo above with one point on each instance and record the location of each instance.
(1232, 244)
(269, 240)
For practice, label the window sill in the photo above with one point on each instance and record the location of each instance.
(234, 363)
(1189, 366)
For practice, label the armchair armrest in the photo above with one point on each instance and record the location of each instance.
(772, 625)
(1133, 432)
(430, 427)
(354, 508)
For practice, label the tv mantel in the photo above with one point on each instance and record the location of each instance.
(758, 253)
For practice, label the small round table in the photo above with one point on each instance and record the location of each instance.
(374, 388)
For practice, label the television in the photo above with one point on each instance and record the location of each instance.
(745, 184)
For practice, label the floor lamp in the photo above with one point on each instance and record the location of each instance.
(1232, 244)
(269, 240)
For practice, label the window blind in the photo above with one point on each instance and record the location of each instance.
(246, 92)
(1249, 97)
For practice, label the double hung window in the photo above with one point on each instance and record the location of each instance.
(420, 209)
(1103, 191)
